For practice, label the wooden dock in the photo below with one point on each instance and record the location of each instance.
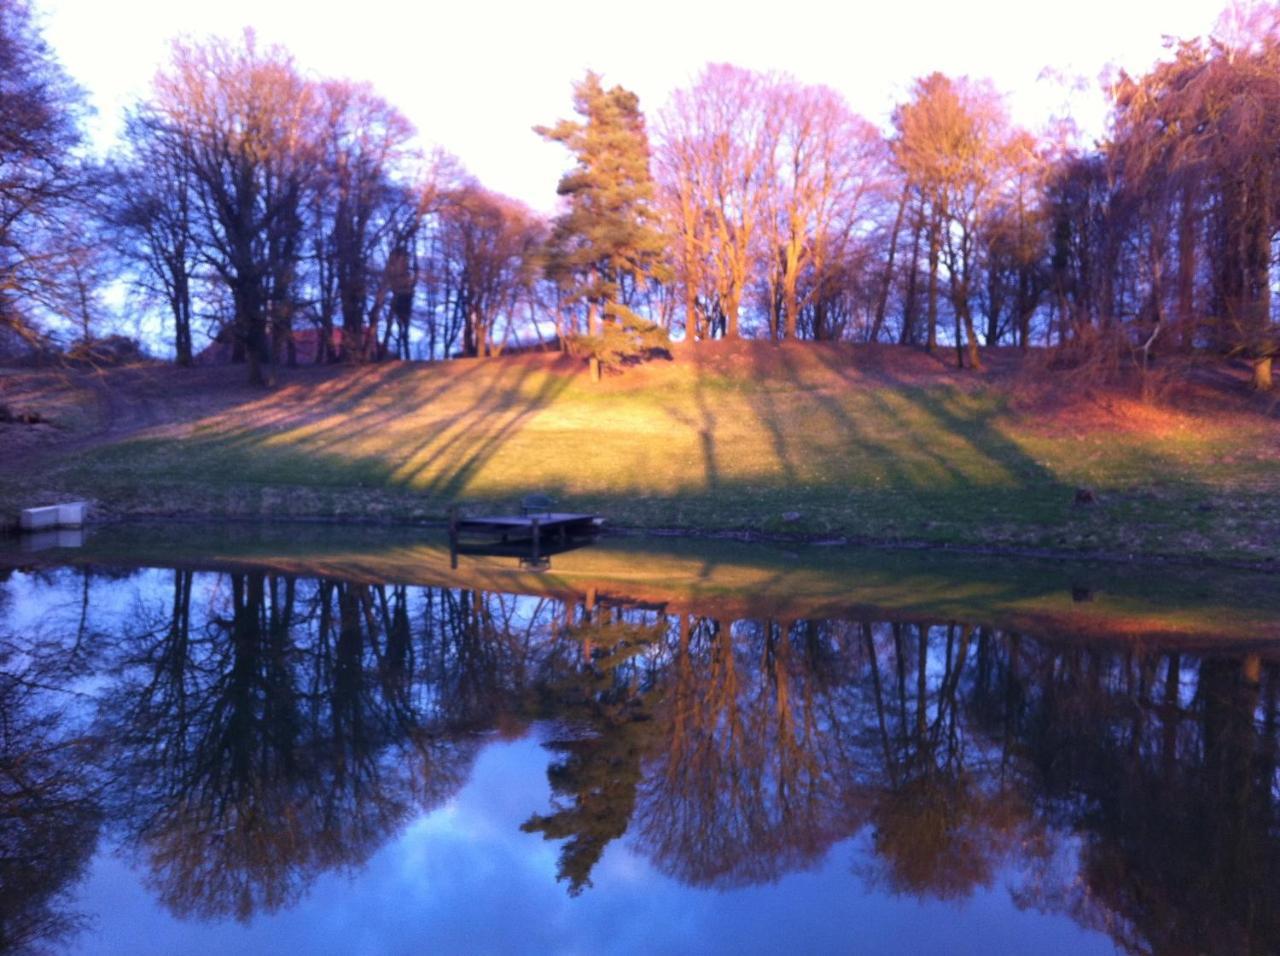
(528, 535)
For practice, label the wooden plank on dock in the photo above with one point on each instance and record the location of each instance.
(545, 519)
(509, 526)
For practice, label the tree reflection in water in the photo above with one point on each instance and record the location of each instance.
(748, 782)
(605, 694)
(276, 739)
(49, 808)
(252, 731)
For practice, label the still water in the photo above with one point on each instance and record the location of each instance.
(244, 759)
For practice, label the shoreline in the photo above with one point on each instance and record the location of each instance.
(1268, 565)
(1071, 597)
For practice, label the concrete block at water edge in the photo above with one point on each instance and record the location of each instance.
(71, 514)
(37, 519)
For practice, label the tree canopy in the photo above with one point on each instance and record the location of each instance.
(290, 217)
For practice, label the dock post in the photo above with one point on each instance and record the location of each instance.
(537, 533)
(453, 537)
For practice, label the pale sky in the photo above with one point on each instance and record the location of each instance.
(475, 77)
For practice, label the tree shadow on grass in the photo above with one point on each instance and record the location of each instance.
(921, 439)
(326, 414)
(442, 467)
(887, 452)
(286, 447)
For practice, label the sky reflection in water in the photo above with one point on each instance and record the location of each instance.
(256, 763)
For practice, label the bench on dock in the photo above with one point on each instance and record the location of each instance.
(536, 504)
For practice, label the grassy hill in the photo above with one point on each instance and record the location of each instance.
(865, 443)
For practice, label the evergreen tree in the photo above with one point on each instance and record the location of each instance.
(606, 247)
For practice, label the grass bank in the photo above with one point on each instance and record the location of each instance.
(868, 444)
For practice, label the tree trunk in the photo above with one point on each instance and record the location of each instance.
(907, 335)
(995, 305)
(1262, 374)
(1186, 272)
(931, 342)
(467, 314)
(182, 320)
(975, 357)
(250, 331)
(1024, 311)
(692, 324)
(255, 367)
(882, 302)
(789, 299)
(692, 321)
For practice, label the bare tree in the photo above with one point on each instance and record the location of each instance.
(43, 185)
(1013, 243)
(718, 143)
(830, 164)
(486, 265)
(362, 216)
(950, 142)
(240, 113)
(149, 204)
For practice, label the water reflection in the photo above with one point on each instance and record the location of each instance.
(49, 811)
(243, 733)
(276, 738)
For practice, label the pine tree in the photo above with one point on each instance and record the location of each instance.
(605, 248)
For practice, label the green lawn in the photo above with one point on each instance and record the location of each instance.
(794, 441)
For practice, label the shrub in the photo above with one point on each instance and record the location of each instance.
(111, 350)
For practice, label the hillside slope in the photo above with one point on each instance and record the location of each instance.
(881, 444)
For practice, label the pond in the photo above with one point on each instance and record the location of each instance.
(338, 742)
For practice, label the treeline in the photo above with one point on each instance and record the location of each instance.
(253, 202)
(264, 202)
